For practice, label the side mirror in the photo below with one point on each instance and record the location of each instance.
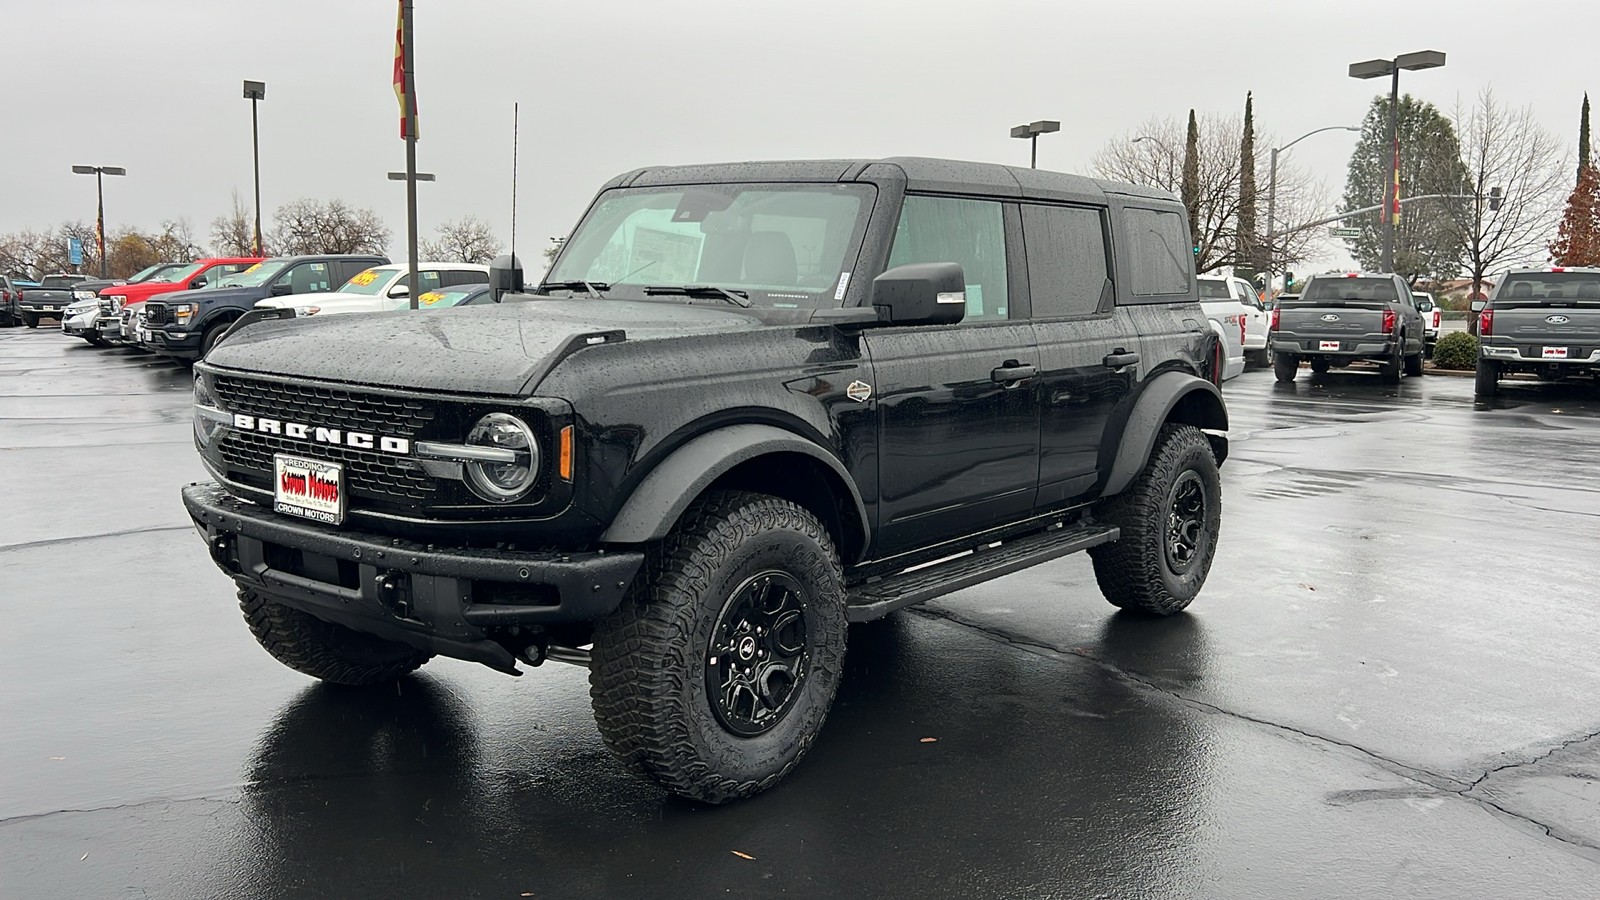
(505, 276)
(922, 294)
(197, 284)
(400, 290)
(1478, 305)
(280, 289)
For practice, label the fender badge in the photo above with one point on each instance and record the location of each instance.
(858, 391)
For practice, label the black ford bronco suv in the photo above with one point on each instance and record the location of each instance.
(749, 404)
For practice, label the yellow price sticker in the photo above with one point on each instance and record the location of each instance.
(365, 278)
(430, 298)
(251, 269)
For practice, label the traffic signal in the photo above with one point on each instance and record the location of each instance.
(1196, 249)
(1288, 280)
(1496, 197)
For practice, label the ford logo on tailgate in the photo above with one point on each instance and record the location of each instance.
(1557, 320)
(1330, 317)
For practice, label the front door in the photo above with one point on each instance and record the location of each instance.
(957, 405)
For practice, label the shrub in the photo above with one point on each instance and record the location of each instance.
(1456, 350)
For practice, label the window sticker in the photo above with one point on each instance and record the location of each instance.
(365, 278)
(430, 298)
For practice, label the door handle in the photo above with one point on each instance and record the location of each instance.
(1119, 359)
(1013, 373)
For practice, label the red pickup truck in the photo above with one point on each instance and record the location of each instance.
(119, 304)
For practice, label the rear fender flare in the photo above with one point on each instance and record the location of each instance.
(1170, 396)
(661, 498)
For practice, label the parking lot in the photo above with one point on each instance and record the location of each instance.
(1386, 689)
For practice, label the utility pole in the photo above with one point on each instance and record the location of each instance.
(256, 90)
(408, 55)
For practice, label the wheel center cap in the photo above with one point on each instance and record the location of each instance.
(747, 648)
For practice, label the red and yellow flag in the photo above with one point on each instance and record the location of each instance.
(407, 104)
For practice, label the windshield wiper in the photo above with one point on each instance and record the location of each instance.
(596, 289)
(737, 298)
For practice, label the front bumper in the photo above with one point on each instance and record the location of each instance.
(445, 601)
(182, 344)
(82, 325)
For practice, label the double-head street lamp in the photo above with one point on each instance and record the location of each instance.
(254, 91)
(1272, 190)
(100, 205)
(1377, 68)
(1163, 145)
(1031, 132)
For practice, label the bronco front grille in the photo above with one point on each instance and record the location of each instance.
(373, 476)
(399, 417)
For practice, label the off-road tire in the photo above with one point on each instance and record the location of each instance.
(1414, 365)
(647, 677)
(324, 650)
(30, 320)
(1134, 571)
(1285, 366)
(1487, 381)
(1389, 370)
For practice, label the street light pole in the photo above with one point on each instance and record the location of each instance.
(100, 205)
(1031, 132)
(408, 57)
(1163, 145)
(1377, 68)
(1272, 191)
(254, 91)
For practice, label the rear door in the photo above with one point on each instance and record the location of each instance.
(1089, 355)
(957, 404)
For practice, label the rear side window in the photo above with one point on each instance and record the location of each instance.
(1538, 288)
(970, 233)
(1161, 261)
(1381, 289)
(1211, 289)
(1067, 273)
(452, 277)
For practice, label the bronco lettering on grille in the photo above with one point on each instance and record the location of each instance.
(359, 440)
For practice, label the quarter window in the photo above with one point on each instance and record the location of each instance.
(1162, 263)
(1067, 273)
(970, 233)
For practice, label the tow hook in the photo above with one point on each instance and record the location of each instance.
(221, 547)
(394, 592)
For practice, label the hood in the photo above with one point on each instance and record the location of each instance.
(502, 350)
(138, 293)
(213, 295)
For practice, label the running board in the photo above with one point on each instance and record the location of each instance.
(876, 599)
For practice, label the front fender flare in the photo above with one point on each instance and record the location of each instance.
(1197, 402)
(660, 499)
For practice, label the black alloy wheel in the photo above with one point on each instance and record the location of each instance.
(1186, 522)
(757, 663)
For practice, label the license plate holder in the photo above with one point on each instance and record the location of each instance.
(1327, 345)
(1555, 353)
(308, 488)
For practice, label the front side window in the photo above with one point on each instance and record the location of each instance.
(1161, 261)
(782, 245)
(1067, 273)
(970, 233)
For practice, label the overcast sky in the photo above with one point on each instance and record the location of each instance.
(611, 85)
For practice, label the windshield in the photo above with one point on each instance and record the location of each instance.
(370, 282)
(179, 276)
(1550, 289)
(256, 275)
(1214, 290)
(1369, 289)
(145, 273)
(784, 245)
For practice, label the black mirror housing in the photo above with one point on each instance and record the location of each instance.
(279, 290)
(505, 276)
(921, 294)
(197, 284)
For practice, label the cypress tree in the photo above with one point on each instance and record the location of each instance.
(1191, 177)
(1584, 159)
(1245, 262)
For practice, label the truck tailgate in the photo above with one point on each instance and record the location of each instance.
(1570, 332)
(1332, 322)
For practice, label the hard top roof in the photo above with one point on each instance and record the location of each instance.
(918, 173)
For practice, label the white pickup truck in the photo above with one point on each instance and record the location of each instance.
(380, 289)
(1432, 318)
(1237, 317)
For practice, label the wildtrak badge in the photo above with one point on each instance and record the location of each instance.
(338, 437)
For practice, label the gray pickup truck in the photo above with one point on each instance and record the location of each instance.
(1338, 319)
(1543, 321)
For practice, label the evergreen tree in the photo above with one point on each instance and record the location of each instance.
(1191, 176)
(1249, 247)
(1427, 244)
(1577, 241)
(1584, 159)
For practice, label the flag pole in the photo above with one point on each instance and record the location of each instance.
(406, 42)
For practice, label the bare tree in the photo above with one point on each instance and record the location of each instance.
(312, 226)
(1505, 150)
(234, 233)
(1217, 166)
(469, 240)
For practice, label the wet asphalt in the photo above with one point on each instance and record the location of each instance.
(1387, 688)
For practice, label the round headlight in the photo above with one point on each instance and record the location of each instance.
(510, 462)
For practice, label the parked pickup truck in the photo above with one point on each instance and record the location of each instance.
(120, 306)
(381, 289)
(1543, 321)
(1339, 319)
(750, 404)
(1432, 319)
(1228, 320)
(46, 301)
(82, 318)
(186, 324)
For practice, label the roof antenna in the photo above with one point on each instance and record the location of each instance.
(514, 132)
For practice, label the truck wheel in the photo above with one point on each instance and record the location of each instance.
(1414, 365)
(1389, 369)
(324, 650)
(714, 677)
(31, 320)
(1285, 366)
(1487, 382)
(212, 335)
(1170, 518)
